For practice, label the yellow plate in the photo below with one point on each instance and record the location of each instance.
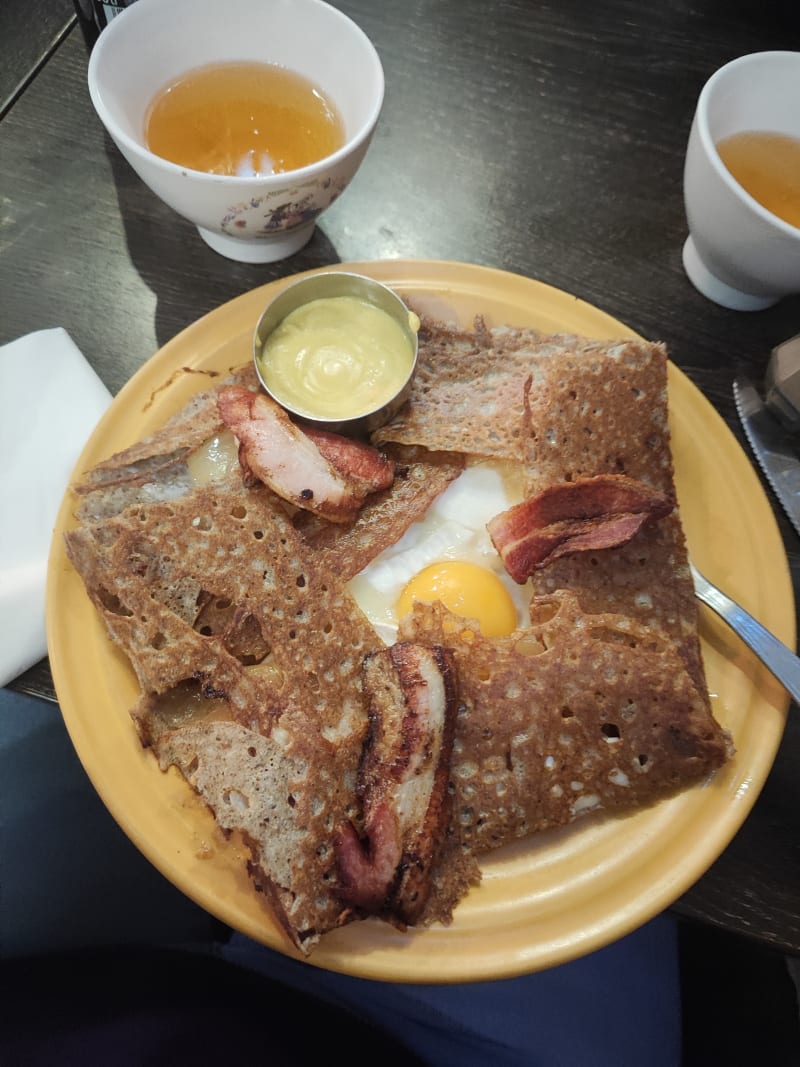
(542, 901)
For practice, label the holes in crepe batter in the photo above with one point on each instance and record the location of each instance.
(642, 759)
(567, 713)
(629, 710)
(543, 610)
(203, 523)
(112, 603)
(158, 642)
(251, 752)
(239, 631)
(610, 731)
(610, 636)
(188, 702)
(258, 534)
(301, 581)
(529, 645)
(236, 799)
(238, 512)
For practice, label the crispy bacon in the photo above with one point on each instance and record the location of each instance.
(333, 480)
(403, 782)
(581, 516)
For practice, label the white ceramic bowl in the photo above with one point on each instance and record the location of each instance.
(737, 253)
(252, 219)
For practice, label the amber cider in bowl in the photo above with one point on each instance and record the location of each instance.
(767, 166)
(243, 118)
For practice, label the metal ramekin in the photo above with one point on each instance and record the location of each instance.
(335, 284)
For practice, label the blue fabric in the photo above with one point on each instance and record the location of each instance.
(619, 1007)
(71, 879)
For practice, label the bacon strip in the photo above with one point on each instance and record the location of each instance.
(276, 451)
(581, 516)
(403, 782)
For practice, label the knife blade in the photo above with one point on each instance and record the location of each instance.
(771, 448)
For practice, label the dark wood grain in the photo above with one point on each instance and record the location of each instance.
(544, 139)
(29, 33)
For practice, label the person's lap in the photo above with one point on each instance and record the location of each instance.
(71, 881)
(619, 1006)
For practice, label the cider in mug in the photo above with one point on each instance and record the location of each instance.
(247, 119)
(767, 166)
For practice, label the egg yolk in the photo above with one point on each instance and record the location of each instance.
(467, 590)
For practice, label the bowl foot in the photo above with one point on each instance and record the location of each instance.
(258, 249)
(720, 292)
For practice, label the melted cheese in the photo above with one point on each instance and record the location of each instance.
(214, 460)
(186, 704)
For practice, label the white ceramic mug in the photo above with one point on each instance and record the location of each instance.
(738, 253)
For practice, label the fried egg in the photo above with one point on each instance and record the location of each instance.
(448, 556)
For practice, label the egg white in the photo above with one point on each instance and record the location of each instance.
(454, 528)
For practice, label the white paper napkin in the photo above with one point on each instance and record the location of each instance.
(50, 401)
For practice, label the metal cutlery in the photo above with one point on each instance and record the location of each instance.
(776, 657)
(782, 383)
(770, 421)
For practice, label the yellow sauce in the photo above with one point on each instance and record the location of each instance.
(337, 358)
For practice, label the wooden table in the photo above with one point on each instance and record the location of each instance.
(547, 140)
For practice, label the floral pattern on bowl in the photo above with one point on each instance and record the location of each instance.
(262, 217)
